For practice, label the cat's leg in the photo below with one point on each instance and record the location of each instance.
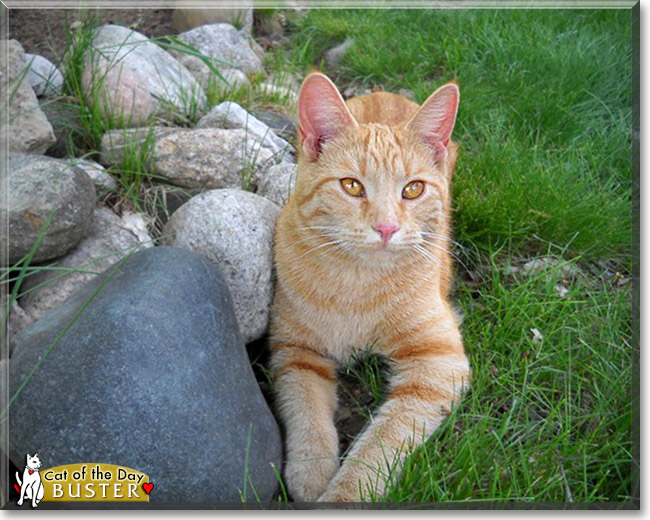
(35, 491)
(305, 384)
(428, 379)
(23, 489)
(41, 492)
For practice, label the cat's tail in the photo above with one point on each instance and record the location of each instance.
(18, 479)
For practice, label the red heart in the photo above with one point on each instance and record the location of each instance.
(31, 471)
(17, 488)
(148, 486)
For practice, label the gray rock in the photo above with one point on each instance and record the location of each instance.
(185, 19)
(135, 79)
(43, 76)
(153, 376)
(285, 127)
(230, 78)
(231, 115)
(278, 182)
(117, 144)
(334, 56)
(551, 268)
(223, 42)
(38, 186)
(65, 116)
(17, 320)
(109, 240)
(202, 158)
(12, 61)
(25, 129)
(234, 230)
(209, 158)
(104, 183)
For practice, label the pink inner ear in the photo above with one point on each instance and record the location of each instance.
(323, 113)
(435, 120)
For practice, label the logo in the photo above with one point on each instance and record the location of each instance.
(31, 486)
(82, 482)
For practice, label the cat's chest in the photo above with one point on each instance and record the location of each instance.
(346, 313)
(343, 333)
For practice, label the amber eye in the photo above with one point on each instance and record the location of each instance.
(353, 187)
(413, 190)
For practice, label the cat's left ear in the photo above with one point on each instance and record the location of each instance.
(434, 121)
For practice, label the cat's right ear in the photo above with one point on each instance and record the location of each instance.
(323, 113)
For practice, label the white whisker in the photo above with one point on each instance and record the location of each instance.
(446, 239)
(428, 255)
(448, 251)
(313, 237)
(325, 244)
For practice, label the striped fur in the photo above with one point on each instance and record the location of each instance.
(340, 289)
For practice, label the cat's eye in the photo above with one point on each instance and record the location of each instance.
(413, 190)
(353, 187)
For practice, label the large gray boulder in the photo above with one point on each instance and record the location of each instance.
(223, 42)
(38, 187)
(234, 230)
(153, 375)
(24, 125)
(134, 79)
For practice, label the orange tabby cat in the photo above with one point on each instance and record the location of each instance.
(361, 250)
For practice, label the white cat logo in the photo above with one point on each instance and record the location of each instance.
(31, 486)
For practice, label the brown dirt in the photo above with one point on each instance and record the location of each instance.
(42, 31)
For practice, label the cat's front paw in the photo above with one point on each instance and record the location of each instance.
(349, 485)
(307, 478)
(340, 494)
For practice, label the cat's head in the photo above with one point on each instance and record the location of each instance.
(33, 461)
(372, 190)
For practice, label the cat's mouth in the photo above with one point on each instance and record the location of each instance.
(383, 250)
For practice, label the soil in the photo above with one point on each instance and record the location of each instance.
(43, 31)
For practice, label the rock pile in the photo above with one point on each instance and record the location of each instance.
(142, 343)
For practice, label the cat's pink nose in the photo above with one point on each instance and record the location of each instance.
(386, 230)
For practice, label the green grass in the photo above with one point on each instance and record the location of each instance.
(544, 169)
